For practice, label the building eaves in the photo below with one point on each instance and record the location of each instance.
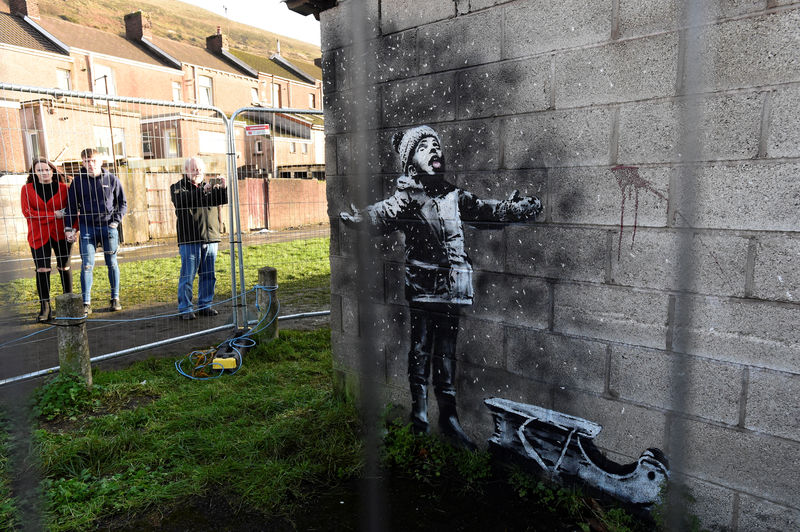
(16, 31)
(309, 7)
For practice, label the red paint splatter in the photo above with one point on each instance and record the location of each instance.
(630, 182)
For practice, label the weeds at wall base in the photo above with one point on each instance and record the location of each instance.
(433, 463)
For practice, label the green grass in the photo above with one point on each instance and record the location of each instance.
(269, 437)
(303, 277)
(8, 512)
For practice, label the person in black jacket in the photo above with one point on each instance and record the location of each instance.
(196, 205)
(97, 202)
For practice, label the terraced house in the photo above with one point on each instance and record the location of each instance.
(49, 52)
(146, 142)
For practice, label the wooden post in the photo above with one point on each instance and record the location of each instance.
(73, 343)
(268, 302)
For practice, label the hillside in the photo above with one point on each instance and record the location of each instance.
(175, 20)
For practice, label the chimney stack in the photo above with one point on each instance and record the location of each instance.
(217, 43)
(138, 26)
(24, 8)
(279, 47)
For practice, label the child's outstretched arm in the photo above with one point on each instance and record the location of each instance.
(515, 208)
(386, 215)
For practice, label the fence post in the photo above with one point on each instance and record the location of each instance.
(268, 301)
(73, 343)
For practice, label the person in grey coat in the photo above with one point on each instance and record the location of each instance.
(430, 212)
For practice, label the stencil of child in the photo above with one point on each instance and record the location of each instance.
(438, 273)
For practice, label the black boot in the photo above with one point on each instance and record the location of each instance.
(66, 280)
(419, 408)
(43, 290)
(444, 378)
(45, 312)
(448, 420)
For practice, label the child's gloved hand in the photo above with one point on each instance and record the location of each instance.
(525, 207)
(351, 218)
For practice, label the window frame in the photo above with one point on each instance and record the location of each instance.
(205, 92)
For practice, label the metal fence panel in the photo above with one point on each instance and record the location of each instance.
(143, 142)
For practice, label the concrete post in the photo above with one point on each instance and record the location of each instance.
(268, 302)
(73, 343)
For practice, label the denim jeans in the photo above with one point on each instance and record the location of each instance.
(197, 258)
(108, 237)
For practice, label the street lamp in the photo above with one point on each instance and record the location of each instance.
(104, 77)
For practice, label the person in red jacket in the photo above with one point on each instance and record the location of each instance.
(44, 197)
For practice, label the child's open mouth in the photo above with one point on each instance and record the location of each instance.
(436, 163)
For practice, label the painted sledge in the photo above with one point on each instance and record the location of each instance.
(561, 446)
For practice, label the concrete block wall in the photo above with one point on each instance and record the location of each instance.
(581, 103)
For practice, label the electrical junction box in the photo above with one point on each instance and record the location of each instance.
(223, 363)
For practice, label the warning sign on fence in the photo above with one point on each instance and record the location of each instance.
(257, 129)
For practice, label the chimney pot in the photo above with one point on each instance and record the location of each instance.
(217, 43)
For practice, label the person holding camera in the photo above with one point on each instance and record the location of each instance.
(197, 207)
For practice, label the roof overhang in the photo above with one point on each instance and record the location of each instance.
(309, 7)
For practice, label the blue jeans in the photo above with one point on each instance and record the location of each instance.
(108, 237)
(197, 258)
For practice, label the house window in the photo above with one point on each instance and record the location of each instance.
(171, 143)
(276, 95)
(304, 147)
(254, 94)
(103, 141)
(63, 79)
(205, 91)
(211, 142)
(147, 144)
(258, 146)
(104, 80)
(312, 101)
(32, 142)
(177, 93)
(292, 147)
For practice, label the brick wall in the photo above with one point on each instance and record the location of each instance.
(295, 202)
(583, 312)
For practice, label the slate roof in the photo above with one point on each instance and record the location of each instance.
(94, 40)
(195, 55)
(308, 68)
(265, 65)
(15, 31)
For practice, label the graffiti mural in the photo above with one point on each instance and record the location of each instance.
(561, 446)
(430, 212)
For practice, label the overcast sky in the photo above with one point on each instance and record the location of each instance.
(271, 15)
